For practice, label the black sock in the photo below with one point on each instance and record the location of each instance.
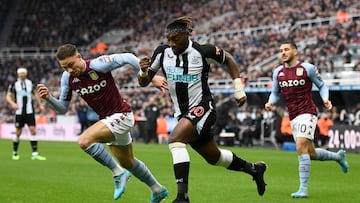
(33, 146)
(15, 147)
(182, 176)
(239, 164)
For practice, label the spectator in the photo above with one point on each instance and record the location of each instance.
(162, 130)
(81, 111)
(323, 124)
(285, 129)
(91, 116)
(248, 130)
(152, 113)
(42, 118)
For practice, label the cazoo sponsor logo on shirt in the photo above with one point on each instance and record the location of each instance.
(91, 89)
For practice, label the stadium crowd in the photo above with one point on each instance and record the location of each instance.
(43, 24)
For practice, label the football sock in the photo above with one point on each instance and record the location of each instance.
(239, 164)
(117, 170)
(16, 142)
(140, 171)
(101, 155)
(34, 145)
(323, 155)
(181, 161)
(304, 170)
(182, 177)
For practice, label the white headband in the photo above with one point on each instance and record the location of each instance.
(21, 70)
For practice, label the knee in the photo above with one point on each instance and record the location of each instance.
(83, 142)
(300, 147)
(32, 130)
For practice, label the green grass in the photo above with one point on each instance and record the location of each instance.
(70, 175)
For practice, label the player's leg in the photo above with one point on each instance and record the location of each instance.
(325, 155)
(227, 159)
(91, 141)
(303, 149)
(126, 158)
(303, 127)
(322, 154)
(19, 124)
(179, 137)
(122, 149)
(30, 120)
(16, 143)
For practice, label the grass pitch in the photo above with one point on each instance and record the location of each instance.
(71, 176)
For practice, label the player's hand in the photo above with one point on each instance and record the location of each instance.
(43, 91)
(327, 104)
(144, 63)
(268, 106)
(160, 82)
(14, 106)
(241, 101)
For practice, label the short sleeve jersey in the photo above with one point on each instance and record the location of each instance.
(187, 73)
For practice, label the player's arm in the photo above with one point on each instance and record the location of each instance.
(239, 92)
(107, 63)
(214, 53)
(275, 94)
(145, 75)
(9, 98)
(60, 105)
(315, 77)
(149, 67)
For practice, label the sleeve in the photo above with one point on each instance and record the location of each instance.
(315, 77)
(61, 105)
(33, 88)
(107, 63)
(213, 53)
(275, 94)
(11, 88)
(157, 58)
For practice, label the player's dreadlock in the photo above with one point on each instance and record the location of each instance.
(180, 24)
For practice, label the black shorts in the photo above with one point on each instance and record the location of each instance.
(21, 120)
(203, 117)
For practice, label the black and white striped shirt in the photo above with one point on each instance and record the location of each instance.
(23, 90)
(187, 73)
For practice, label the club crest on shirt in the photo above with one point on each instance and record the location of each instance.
(93, 75)
(195, 59)
(299, 71)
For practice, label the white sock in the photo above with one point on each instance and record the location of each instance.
(117, 170)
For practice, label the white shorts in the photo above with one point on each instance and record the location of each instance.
(120, 125)
(304, 125)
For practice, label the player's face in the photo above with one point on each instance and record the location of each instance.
(288, 53)
(22, 76)
(73, 64)
(178, 42)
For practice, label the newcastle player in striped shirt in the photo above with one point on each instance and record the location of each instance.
(185, 65)
(20, 96)
(92, 80)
